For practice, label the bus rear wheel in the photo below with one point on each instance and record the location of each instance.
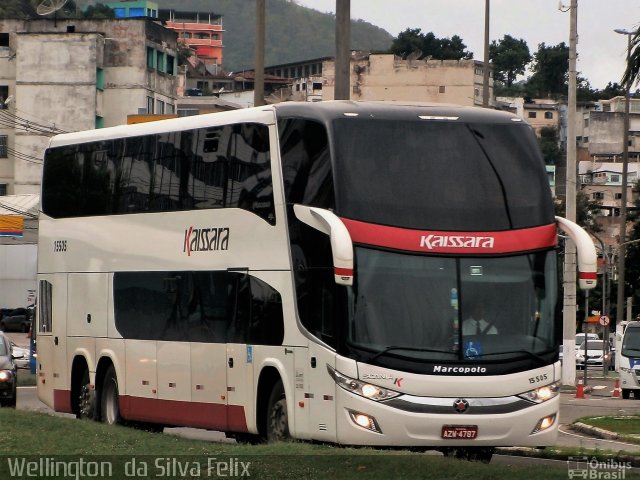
(110, 403)
(277, 416)
(86, 399)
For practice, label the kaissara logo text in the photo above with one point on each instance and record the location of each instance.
(455, 241)
(205, 239)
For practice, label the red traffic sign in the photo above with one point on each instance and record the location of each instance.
(604, 320)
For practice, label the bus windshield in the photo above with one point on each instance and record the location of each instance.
(441, 309)
(490, 175)
(631, 342)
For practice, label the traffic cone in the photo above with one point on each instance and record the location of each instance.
(616, 390)
(580, 390)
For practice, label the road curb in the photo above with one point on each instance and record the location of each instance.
(595, 431)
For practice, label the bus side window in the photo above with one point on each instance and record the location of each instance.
(45, 305)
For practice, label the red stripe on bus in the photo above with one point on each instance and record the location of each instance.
(588, 275)
(185, 414)
(62, 401)
(452, 242)
(343, 271)
(170, 412)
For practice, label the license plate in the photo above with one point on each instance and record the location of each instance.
(456, 432)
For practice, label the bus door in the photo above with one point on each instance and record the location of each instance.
(240, 397)
(51, 364)
(322, 405)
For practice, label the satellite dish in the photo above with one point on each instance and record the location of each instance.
(47, 7)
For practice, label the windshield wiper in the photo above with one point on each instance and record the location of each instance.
(527, 353)
(410, 349)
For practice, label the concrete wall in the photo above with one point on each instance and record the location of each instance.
(18, 269)
(387, 77)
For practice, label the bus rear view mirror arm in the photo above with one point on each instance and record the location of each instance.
(586, 250)
(341, 245)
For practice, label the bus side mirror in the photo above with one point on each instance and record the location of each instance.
(341, 245)
(587, 257)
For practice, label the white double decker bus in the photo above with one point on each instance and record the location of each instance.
(307, 270)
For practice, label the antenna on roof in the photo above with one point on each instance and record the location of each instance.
(47, 7)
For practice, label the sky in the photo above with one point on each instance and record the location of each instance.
(601, 51)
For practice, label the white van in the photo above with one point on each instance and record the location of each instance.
(630, 360)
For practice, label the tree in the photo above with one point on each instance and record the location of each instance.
(99, 11)
(428, 45)
(549, 145)
(509, 57)
(550, 68)
(631, 74)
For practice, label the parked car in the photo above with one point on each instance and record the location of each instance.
(20, 356)
(18, 320)
(594, 354)
(8, 374)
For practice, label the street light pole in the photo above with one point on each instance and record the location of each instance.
(623, 197)
(485, 69)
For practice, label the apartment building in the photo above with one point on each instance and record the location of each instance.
(389, 77)
(75, 74)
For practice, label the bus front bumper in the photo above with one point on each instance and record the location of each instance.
(445, 422)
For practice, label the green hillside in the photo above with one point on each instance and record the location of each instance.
(293, 32)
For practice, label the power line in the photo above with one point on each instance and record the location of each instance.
(15, 210)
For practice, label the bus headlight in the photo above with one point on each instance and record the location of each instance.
(5, 375)
(363, 389)
(542, 394)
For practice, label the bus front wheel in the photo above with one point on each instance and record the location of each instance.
(110, 403)
(277, 417)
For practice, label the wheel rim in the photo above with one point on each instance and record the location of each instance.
(278, 420)
(85, 401)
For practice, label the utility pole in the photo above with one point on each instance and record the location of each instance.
(258, 84)
(485, 69)
(343, 50)
(569, 282)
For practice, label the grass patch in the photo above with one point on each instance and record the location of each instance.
(626, 425)
(31, 434)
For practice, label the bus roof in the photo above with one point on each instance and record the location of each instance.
(321, 111)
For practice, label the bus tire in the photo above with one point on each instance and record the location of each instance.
(110, 403)
(625, 393)
(277, 417)
(86, 399)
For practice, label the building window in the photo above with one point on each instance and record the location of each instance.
(442, 89)
(169, 109)
(159, 107)
(151, 57)
(149, 105)
(548, 115)
(585, 139)
(586, 122)
(3, 146)
(171, 64)
(188, 112)
(532, 114)
(99, 79)
(598, 196)
(120, 12)
(3, 189)
(615, 178)
(99, 122)
(216, 36)
(617, 196)
(4, 94)
(160, 61)
(137, 12)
